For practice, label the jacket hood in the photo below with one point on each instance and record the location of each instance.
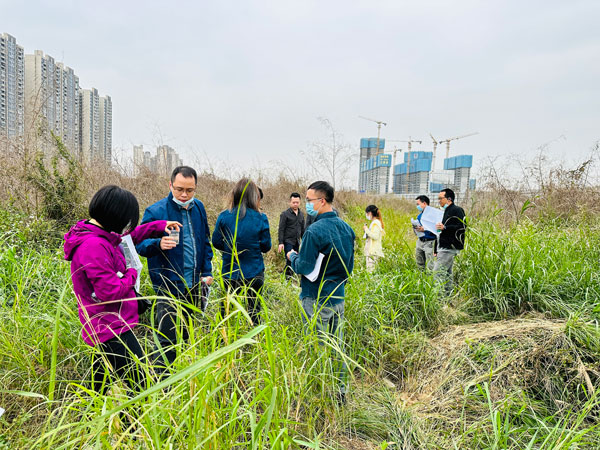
(82, 231)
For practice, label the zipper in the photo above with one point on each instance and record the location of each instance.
(189, 221)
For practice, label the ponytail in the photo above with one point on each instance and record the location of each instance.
(376, 213)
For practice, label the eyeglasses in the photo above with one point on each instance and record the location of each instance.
(313, 199)
(181, 190)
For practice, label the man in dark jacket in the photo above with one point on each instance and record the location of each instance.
(178, 269)
(327, 252)
(291, 229)
(452, 238)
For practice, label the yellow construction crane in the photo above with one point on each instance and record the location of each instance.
(447, 141)
(379, 123)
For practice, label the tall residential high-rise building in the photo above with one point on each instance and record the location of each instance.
(89, 108)
(52, 98)
(12, 87)
(106, 128)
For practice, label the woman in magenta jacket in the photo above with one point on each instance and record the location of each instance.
(104, 286)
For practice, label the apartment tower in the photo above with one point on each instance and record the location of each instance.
(12, 87)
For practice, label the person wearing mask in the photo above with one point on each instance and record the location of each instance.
(242, 235)
(311, 219)
(451, 240)
(181, 268)
(291, 229)
(327, 248)
(105, 286)
(374, 233)
(426, 244)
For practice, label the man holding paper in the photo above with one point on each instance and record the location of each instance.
(426, 239)
(325, 260)
(452, 238)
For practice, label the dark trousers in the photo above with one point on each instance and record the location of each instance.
(288, 265)
(117, 355)
(251, 287)
(167, 321)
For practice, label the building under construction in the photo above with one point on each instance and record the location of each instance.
(416, 175)
(374, 171)
(460, 167)
(412, 176)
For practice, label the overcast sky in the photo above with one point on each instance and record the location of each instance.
(245, 81)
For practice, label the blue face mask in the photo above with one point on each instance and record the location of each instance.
(310, 209)
(184, 204)
(420, 208)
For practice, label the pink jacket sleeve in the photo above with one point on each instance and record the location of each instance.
(148, 230)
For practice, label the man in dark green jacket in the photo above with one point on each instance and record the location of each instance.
(325, 261)
(451, 239)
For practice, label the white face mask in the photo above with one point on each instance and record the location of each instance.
(184, 204)
(368, 216)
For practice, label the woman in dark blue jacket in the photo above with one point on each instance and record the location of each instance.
(242, 234)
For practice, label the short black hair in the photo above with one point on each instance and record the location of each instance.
(115, 208)
(449, 194)
(325, 189)
(185, 171)
(423, 199)
(294, 195)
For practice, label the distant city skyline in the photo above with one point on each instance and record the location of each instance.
(163, 163)
(244, 83)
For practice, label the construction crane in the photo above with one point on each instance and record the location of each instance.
(435, 144)
(409, 142)
(379, 123)
(391, 187)
(447, 141)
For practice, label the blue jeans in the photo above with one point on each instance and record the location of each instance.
(329, 320)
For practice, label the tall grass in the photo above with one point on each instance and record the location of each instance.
(273, 386)
(546, 267)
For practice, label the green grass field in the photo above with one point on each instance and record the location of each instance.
(509, 361)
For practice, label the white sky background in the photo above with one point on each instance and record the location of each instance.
(245, 81)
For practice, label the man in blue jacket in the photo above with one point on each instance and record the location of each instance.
(329, 240)
(178, 269)
(426, 244)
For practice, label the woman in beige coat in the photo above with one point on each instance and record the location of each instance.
(374, 234)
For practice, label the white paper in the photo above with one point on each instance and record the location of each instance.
(315, 273)
(430, 217)
(132, 258)
(2, 411)
(415, 223)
